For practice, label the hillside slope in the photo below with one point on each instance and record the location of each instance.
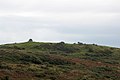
(58, 61)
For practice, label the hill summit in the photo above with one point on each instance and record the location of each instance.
(58, 61)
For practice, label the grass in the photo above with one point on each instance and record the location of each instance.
(58, 61)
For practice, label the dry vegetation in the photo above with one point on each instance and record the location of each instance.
(58, 61)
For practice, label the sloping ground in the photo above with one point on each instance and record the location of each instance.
(59, 61)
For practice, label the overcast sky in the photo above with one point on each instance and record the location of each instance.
(89, 21)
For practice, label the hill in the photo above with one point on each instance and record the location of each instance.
(58, 61)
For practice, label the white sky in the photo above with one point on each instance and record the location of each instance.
(90, 21)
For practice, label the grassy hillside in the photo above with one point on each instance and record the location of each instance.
(58, 61)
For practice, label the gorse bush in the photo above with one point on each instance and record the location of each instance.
(5, 78)
(31, 58)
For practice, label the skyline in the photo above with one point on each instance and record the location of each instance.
(88, 21)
